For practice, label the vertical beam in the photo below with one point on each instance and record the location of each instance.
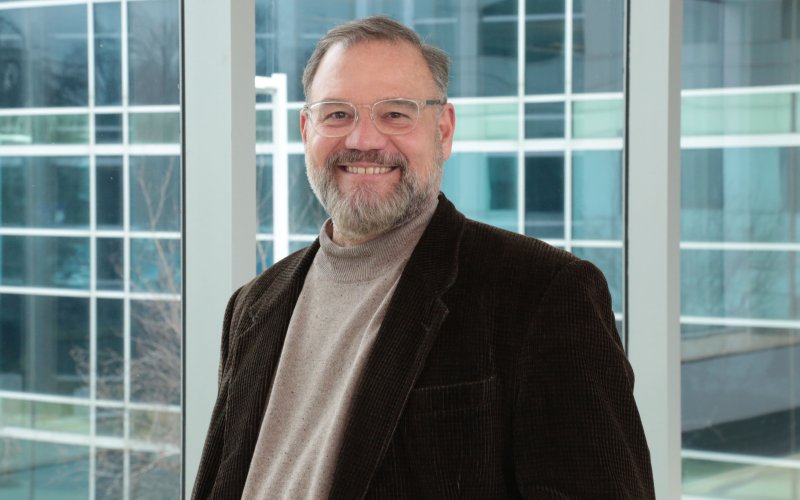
(219, 193)
(652, 306)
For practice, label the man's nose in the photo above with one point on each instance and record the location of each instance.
(365, 136)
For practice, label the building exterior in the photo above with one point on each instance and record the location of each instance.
(90, 213)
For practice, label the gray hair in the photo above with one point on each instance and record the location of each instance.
(378, 28)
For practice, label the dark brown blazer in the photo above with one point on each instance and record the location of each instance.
(497, 373)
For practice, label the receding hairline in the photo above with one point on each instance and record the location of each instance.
(378, 29)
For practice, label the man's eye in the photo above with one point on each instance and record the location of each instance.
(395, 115)
(337, 116)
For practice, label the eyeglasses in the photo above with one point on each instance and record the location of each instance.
(391, 116)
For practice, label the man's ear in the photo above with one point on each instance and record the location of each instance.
(303, 124)
(447, 127)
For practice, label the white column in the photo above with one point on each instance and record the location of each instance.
(652, 306)
(219, 194)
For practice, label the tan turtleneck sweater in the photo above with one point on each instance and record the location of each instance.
(332, 330)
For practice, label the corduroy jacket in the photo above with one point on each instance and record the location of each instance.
(497, 373)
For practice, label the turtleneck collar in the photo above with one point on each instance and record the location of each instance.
(374, 258)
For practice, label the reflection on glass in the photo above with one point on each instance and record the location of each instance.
(44, 129)
(110, 360)
(484, 187)
(153, 52)
(264, 193)
(597, 45)
(739, 114)
(544, 46)
(157, 475)
(155, 265)
(740, 194)
(45, 344)
(542, 120)
(155, 193)
(108, 129)
(107, 54)
(44, 57)
(478, 122)
(597, 195)
(154, 128)
(44, 192)
(544, 195)
(44, 261)
(45, 470)
(265, 256)
(156, 353)
(598, 118)
(108, 196)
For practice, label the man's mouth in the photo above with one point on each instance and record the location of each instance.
(367, 170)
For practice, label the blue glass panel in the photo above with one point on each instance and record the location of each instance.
(110, 350)
(544, 195)
(45, 344)
(598, 43)
(43, 470)
(44, 192)
(156, 265)
(484, 187)
(740, 194)
(740, 284)
(156, 352)
(740, 44)
(108, 128)
(43, 57)
(154, 52)
(544, 46)
(265, 256)
(544, 120)
(264, 193)
(597, 195)
(109, 262)
(155, 193)
(109, 191)
(109, 476)
(107, 54)
(155, 476)
(44, 261)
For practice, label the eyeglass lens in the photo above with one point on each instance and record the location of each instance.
(393, 117)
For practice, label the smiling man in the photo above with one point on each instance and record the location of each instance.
(410, 352)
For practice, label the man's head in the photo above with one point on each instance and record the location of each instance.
(374, 167)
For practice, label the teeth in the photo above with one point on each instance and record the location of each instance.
(367, 170)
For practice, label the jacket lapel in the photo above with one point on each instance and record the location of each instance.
(406, 335)
(255, 351)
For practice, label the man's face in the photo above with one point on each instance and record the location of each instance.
(368, 181)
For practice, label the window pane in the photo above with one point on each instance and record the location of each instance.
(597, 195)
(544, 195)
(543, 120)
(484, 187)
(598, 41)
(264, 193)
(108, 129)
(544, 46)
(155, 193)
(56, 75)
(107, 54)
(45, 192)
(306, 215)
(153, 53)
(487, 122)
(109, 192)
(609, 260)
(44, 261)
(740, 266)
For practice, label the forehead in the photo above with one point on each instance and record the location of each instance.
(372, 70)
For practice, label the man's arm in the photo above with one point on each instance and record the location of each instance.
(577, 431)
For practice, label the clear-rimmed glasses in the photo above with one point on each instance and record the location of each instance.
(396, 116)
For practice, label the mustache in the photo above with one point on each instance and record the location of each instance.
(377, 157)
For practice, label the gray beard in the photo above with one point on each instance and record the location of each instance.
(363, 213)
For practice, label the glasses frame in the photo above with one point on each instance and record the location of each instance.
(420, 103)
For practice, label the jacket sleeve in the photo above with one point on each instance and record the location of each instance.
(212, 450)
(577, 431)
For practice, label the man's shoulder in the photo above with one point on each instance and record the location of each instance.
(280, 274)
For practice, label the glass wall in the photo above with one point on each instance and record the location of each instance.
(740, 249)
(537, 87)
(90, 282)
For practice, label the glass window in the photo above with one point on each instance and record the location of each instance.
(544, 46)
(43, 57)
(107, 54)
(264, 193)
(155, 193)
(153, 52)
(110, 255)
(44, 261)
(108, 128)
(45, 344)
(597, 195)
(609, 260)
(110, 360)
(484, 187)
(108, 196)
(156, 355)
(155, 265)
(46, 192)
(543, 120)
(597, 45)
(544, 195)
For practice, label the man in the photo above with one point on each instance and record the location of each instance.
(409, 352)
